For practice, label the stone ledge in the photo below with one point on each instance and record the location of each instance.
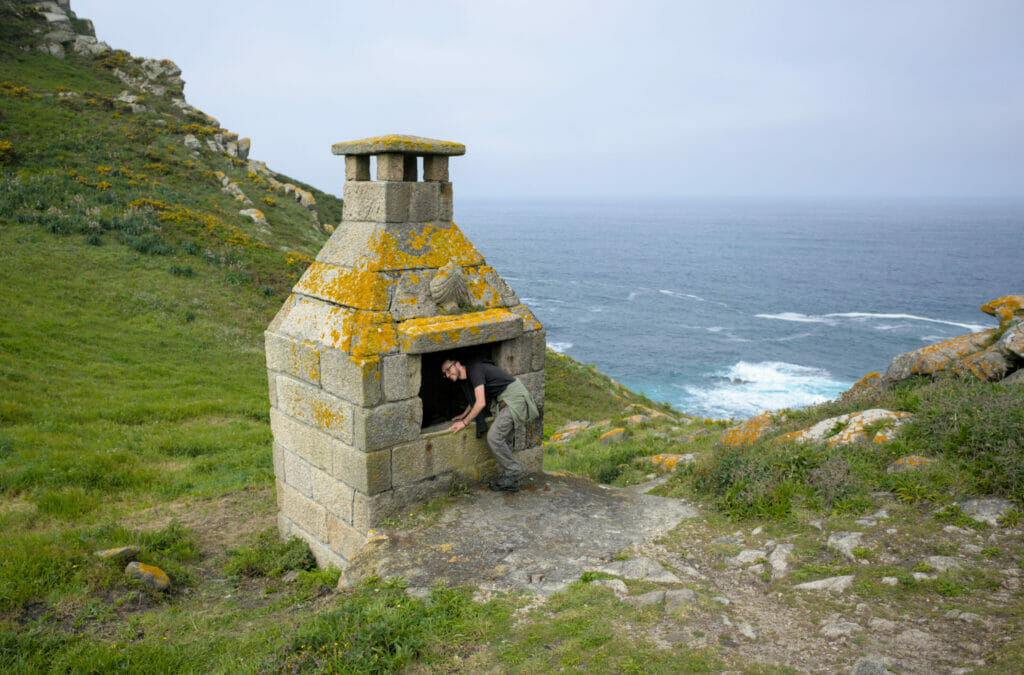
(398, 143)
(432, 334)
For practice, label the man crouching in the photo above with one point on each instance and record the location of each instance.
(484, 383)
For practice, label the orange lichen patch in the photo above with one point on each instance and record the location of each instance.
(326, 416)
(430, 245)
(749, 431)
(158, 574)
(852, 428)
(664, 460)
(314, 321)
(1005, 308)
(482, 293)
(357, 289)
(869, 382)
(451, 328)
(644, 410)
(989, 365)
(373, 333)
(569, 431)
(609, 434)
(909, 463)
(937, 357)
(529, 320)
(634, 420)
(306, 361)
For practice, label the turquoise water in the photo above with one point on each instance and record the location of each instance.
(729, 308)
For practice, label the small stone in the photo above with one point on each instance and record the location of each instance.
(953, 529)
(830, 584)
(891, 530)
(120, 553)
(746, 557)
(748, 631)
(890, 581)
(647, 599)
(817, 524)
(866, 522)
(722, 600)
(730, 541)
(921, 576)
(756, 531)
(845, 542)
(614, 436)
(152, 576)
(971, 549)
(869, 667)
(881, 624)
(839, 628)
(779, 559)
(643, 569)
(942, 563)
(290, 576)
(679, 596)
(917, 639)
(616, 585)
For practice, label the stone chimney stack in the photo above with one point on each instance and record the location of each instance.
(359, 409)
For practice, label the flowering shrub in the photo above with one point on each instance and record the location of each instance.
(7, 153)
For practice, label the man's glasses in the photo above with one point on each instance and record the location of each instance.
(444, 371)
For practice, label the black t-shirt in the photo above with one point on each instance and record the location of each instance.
(491, 376)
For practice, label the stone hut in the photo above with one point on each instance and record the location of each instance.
(359, 407)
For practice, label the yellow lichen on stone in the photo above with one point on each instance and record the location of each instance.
(611, 433)
(937, 357)
(433, 246)
(307, 361)
(157, 573)
(453, 326)
(358, 289)
(1005, 308)
(373, 333)
(664, 460)
(748, 431)
(529, 320)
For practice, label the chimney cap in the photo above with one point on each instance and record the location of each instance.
(398, 143)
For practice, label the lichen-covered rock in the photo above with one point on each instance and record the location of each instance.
(256, 215)
(119, 553)
(569, 431)
(865, 385)
(749, 431)
(1007, 308)
(830, 584)
(150, 575)
(989, 365)
(1012, 342)
(852, 428)
(989, 511)
(1015, 378)
(935, 358)
(669, 461)
(635, 420)
(908, 463)
(616, 435)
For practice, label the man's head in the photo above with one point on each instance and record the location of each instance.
(452, 370)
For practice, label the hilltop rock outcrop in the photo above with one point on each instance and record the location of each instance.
(66, 31)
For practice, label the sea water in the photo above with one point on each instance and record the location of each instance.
(728, 308)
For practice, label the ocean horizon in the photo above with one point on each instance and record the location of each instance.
(725, 308)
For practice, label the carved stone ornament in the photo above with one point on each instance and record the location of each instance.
(448, 287)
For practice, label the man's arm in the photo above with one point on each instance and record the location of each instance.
(463, 414)
(478, 406)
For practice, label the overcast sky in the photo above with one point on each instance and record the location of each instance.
(607, 99)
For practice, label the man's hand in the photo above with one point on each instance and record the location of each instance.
(457, 425)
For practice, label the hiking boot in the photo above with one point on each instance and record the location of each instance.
(504, 484)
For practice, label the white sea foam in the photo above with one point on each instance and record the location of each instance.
(632, 296)
(676, 294)
(797, 317)
(747, 389)
(973, 327)
(560, 347)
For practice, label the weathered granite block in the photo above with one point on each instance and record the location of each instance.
(352, 378)
(534, 383)
(278, 456)
(303, 512)
(298, 473)
(325, 557)
(516, 356)
(390, 166)
(344, 286)
(368, 472)
(334, 495)
(435, 168)
(386, 202)
(344, 539)
(433, 334)
(387, 424)
(401, 376)
(425, 202)
(445, 208)
(368, 511)
(272, 387)
(284, 523)
(316, 408)
(540, 349)
(298, 358)
(308, 443)
(357, 167)
(437, 454)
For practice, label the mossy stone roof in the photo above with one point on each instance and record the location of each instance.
(398, 143)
